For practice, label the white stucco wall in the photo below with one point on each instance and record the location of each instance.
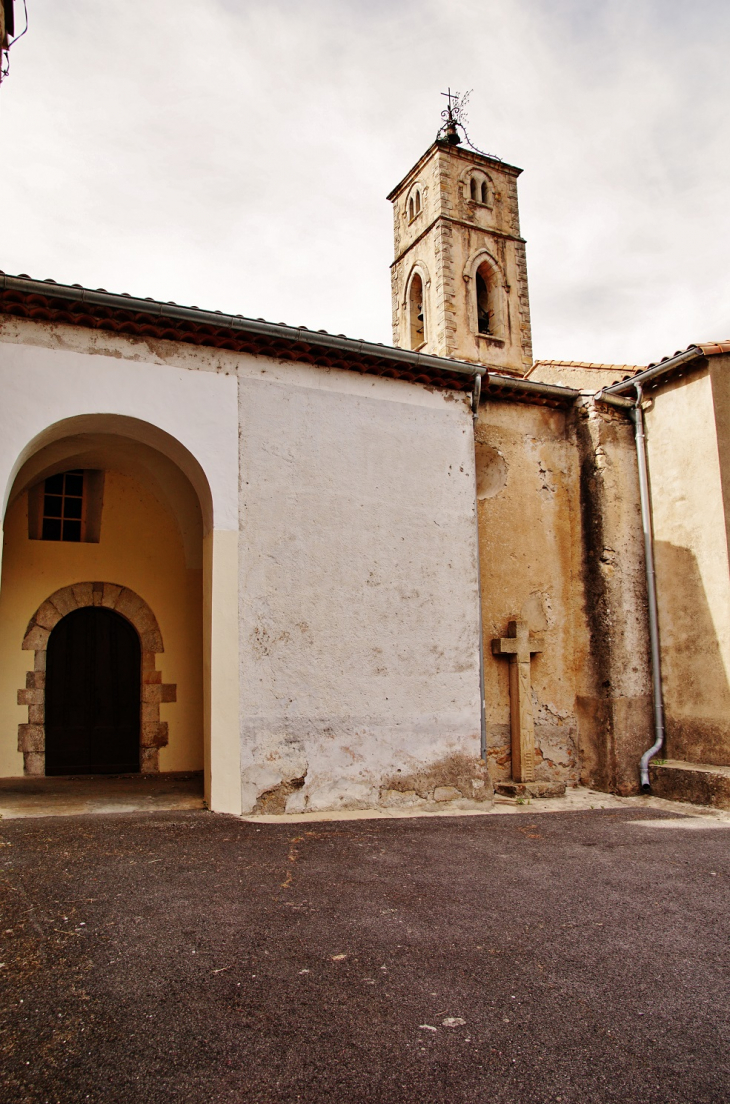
(359, 630)
(340, 614)
(83, 376)
(183, 400)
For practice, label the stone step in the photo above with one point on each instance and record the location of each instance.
(698, 783)
(530, 789)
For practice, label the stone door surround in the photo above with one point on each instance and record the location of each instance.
(153, 731)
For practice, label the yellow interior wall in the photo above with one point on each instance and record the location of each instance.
(140, 548)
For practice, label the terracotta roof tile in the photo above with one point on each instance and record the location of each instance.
(630, 368)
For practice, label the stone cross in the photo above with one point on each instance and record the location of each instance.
(519, 646)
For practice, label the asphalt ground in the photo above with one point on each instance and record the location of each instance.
(189, 957)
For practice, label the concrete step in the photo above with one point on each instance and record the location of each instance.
(698, 783)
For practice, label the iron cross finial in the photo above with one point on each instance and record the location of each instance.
(451, 96)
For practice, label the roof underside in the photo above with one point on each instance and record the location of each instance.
(45, 301)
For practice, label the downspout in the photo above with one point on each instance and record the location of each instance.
(613, 396)
(482, 693)
(637, 417)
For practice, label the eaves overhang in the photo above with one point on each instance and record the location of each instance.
(518, 389)
(672, 366)
(45, 301)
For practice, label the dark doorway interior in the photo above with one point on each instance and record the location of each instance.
(93, 694)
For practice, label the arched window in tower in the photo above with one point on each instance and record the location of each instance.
(416, 319)
(484, 305)
(411, 209)
(477, 189)
(418, 201)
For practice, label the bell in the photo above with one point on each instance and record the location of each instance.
(451, 134)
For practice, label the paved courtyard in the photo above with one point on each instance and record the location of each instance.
(187, 957)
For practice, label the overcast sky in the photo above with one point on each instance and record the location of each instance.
(236, 155)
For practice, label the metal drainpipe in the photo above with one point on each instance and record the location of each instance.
(637, 416)
(482, 694)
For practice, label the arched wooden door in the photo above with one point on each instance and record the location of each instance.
(93, 678)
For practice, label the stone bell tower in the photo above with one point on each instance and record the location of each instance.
(459, 276)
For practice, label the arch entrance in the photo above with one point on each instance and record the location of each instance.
(93, 692)
(146, 547)
(136, 552)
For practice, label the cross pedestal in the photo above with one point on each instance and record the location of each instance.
(519, 646)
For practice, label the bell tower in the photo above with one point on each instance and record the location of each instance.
(459, 277)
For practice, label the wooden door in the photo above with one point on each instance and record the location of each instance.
(93, 694)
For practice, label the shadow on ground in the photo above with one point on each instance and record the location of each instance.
(186, 957)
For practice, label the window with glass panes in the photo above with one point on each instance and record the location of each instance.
(63, 502)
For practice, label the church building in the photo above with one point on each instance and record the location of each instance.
(333, 574)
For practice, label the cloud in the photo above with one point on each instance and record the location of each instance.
(237, 155)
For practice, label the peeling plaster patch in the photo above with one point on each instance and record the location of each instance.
(491, 471)
(547, 482)
(275, 799)
(401, 799)
(555, 752)
(267, 783)
(455, 778)
(547, 713)
(338, 793)
(537, 610)
(499, 752)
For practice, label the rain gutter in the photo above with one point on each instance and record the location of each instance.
(236, 322)
(610, 394)
(493, 383)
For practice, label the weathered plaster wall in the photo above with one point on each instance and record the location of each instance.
(529, 533)
(688, 464)
(581, 375)
(561, 547)
(359, 630)
(140, 548)
(614, 703)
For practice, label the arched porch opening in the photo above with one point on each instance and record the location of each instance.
(144, 561)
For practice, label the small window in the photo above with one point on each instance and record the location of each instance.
(67, 507)
(415, 312)
(484, 314)
(478, 191)
(63, 505)
(414, 205)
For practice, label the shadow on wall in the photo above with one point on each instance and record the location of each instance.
(696, 689)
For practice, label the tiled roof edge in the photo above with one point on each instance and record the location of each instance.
(48, 301)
